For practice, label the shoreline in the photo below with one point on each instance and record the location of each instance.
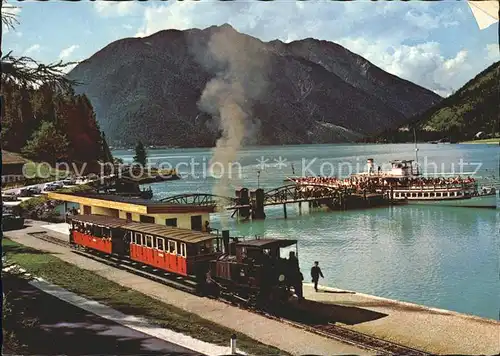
(425, 328)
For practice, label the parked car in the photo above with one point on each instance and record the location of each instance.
(25, 193)
(69, 182)
(49, 188)
(57, 185)
(11, 221)
(35, 190)
(9, 197)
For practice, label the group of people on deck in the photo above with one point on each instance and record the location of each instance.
(372, 183)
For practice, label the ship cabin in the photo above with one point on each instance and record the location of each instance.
(402, 168)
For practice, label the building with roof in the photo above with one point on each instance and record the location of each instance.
(12, 167)
(192, 217)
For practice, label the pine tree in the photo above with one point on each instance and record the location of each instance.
(107, 156)
(140, 154)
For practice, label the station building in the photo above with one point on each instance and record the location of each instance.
(12, 167)
(191, 217)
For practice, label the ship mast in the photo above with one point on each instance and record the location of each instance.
(416, 150)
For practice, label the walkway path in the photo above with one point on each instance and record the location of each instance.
(267, 331)
(429, 329)
(88, 328)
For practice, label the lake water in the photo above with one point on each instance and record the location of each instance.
(436, 256)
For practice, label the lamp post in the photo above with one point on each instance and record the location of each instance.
(258, 178)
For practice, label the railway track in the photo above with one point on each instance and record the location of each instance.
(332, 331)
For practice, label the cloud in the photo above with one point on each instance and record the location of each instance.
(395, 36)
(32, 49)
(423, 64)
(67, 52)
(492, 52)
(116, 8)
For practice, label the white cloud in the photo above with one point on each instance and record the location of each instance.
(67, 52)
(116, 8)
(422, 64)
(492, 52)
(393, 35)
(32, 49)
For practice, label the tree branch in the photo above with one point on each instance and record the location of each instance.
(25, 71)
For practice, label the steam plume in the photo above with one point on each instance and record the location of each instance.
(241, 65)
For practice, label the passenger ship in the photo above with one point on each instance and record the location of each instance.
(403, 183)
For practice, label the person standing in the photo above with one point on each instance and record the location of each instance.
(315, 274)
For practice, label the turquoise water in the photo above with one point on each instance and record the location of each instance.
(436, 256)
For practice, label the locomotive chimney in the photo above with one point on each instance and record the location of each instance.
(225, 240)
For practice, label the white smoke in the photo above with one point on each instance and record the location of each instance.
(240, 81)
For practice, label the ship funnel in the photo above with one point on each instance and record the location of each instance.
(370, 165)
(225, 240)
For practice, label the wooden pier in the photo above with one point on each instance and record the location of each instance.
(251, 203)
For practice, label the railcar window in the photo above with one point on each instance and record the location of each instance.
(138, 239)
(97, 231)
(172, 247)
(160, 244)
(149, 241)
(183, 250)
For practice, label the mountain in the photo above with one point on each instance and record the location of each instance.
(315, 91)
(472, 109)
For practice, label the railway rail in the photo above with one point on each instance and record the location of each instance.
(330, 330)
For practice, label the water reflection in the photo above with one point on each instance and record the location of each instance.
(438, 256)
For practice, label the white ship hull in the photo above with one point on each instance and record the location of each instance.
(482, 201)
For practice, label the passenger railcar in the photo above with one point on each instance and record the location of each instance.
(252, 269)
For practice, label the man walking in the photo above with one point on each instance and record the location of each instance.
(315, 274)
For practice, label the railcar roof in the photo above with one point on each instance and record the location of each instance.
(188, 236)
(267, 243)
(184, 235)
(100, 220)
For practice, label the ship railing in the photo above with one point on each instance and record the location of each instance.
(436, 187)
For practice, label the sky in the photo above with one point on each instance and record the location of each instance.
(437, 45)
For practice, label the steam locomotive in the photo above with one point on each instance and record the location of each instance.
(250, 270)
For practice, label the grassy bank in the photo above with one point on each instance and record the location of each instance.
(126, 300)
(486, 140)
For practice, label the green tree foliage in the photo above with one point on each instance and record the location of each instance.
(106, 152)
(34, 93)
(48, 144)
(71, 115)
(459, 117)
(140, 154)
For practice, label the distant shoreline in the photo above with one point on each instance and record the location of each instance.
(484, 141)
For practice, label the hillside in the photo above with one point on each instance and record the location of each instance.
(472, 109)
(310, 91)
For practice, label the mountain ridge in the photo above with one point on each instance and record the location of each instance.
(470, 110)
(148, 89)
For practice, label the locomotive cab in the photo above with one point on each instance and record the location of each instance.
(255, 270)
